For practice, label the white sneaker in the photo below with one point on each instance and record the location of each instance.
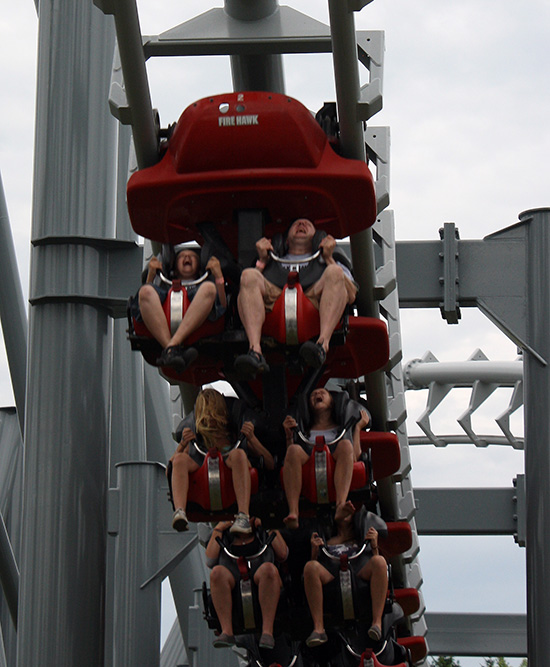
(179, 520)
(241, 524)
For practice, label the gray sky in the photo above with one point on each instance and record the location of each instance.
(466, 95)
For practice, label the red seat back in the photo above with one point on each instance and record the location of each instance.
(416, 645)
(398, 539)
(366, 349)
(370, 655)
(207, 328)
(408, 599)
(309, 480)
(385, 454)
(307, 317)
(199, 483)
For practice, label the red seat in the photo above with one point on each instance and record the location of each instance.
(298, 326)
(385, 454)
(294, 319)
(251, 150)
(207, 328)
(398, 539)
(366, 349)
(408, 599)
(416, 645)
(370, 655)
(214, 492)
(315, 492)
(206, 369)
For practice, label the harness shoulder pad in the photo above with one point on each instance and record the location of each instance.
(279, 244)
(317, 238)
(187, 422)
(365, 520)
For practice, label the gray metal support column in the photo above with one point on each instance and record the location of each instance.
(537, 434)
(11, 494)
(9, 573)
(62, 593)
(137, 606)
(255, 71)
(348, 93)
(13, 313)
(136, 84)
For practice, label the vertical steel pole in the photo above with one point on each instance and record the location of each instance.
(256, 71)
(13, 313)
(537, 434)
(137, 608)
(11, 494)
(9, 573)
(62, 592)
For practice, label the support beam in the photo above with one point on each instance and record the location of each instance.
(62, 592)
(135, 82)
(466, 511)
(255, 71)
(537, 433)
(478, 634)
(13, 313)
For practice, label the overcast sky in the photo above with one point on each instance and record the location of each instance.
(466, 95)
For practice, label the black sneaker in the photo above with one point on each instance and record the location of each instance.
(313, 354)
(250, 364)
(177, 357)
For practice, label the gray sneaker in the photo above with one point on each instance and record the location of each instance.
(241, 524)
(179, 520)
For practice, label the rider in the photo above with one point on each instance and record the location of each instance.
(327, 283)
(345, 451)
(372, 568)
(208, 300)
(262, 569)
(213, 425)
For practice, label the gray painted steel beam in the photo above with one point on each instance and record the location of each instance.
(217, 32)
(112, 268)
(537, 433)
(11, 494)
(352, 139)
(136, 84)
(491, 274)
(255, 71)
(13, 313)
(9, 572)
(466, 511)
(62, 592)
(481, 272)
(478, 634)
(146, 550)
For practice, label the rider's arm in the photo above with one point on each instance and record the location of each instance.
(212, 552)
(279, 547)
(363, 422)
(215, 268)
(154, 265)
(256, 447)
(316, 543)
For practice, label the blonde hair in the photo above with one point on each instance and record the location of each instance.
(211, 418)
